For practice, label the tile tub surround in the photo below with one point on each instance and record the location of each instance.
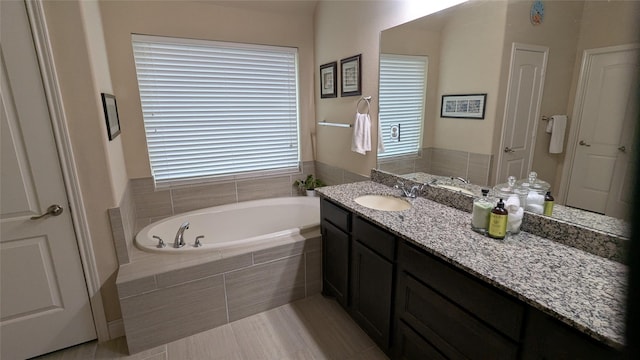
(168, 297)
(586, 231)
(581, 289)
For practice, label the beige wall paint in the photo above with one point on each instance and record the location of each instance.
(198, 20)
(102, 81)
(344, 29)
(402, 40)
(471, 62)
(78, 76)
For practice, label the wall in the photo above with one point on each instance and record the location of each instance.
(198, 20)
(470, 64)
(77, 49)
(347, 28)
(558, 32)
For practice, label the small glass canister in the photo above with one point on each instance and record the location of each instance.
(480, 214)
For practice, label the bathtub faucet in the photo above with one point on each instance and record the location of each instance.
(179, 235)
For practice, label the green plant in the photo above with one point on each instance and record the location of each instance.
(309, 183)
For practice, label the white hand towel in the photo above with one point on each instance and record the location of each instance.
(361, 142)
(549, 126)
(557, 133)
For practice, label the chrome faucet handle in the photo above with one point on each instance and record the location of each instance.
(198, 243)
(161, 243)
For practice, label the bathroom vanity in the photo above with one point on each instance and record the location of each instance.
(424, 286)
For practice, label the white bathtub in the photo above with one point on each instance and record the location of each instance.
(239, 224)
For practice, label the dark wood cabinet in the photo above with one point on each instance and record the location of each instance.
(415, 305)
(336, 247)
(371, 286)
(549, 338)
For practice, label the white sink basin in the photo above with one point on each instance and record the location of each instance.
(383, 202)
(455, 188)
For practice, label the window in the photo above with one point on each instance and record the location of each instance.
(217, 110)
(403, 81)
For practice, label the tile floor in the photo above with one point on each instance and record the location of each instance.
(311, 328)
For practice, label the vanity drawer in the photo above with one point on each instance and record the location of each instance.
(488, 304)
(336, 215)
(375, 238)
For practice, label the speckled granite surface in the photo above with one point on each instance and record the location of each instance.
(594, 233)
(579, 288)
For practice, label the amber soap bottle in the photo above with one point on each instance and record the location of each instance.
(498, 221)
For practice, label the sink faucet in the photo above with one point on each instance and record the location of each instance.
(179, 242)
(411, 192)
(461, 179)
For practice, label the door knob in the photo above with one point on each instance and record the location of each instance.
(53, 210)
(623, 148)
(508, 149)
(583, 143)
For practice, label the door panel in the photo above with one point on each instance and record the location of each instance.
(43, 295)
(606, 116)
(526, 82)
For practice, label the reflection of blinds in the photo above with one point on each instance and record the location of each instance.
(217, 109)
(403, 82)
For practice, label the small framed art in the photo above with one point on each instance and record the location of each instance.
(329, 80)
(351, 76)
(466, 106)
(111, 115)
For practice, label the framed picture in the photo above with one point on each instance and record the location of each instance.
(351, 76)
(466, 106)
(329, 80)
(111, 115)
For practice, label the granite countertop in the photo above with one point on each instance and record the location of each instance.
(581, 289)
(606, 224)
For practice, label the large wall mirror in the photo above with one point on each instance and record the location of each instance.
(472, 49)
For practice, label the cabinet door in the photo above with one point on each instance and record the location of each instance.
(371, 293)
(335, 263)
(548, 338)
(411, 346)
(449, 328)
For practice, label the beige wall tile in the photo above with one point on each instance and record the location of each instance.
(400, 167)
(265, 188)
(200, 197)
(150, 203)
(265, 286)
(118, 234)
(203, 270)
(286, 250)
(479, 168)
(313, 274)
(449, 162)
(135, 287)
(350, 177)
(331, 175)
(169, 314)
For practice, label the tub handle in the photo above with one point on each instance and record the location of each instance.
(161, 243)
(198, 243)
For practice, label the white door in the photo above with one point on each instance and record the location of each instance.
(522, 110)
(44, 305)
(606, 112)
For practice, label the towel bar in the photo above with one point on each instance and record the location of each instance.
(324, 123)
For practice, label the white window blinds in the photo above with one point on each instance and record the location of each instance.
(402, 94)
(216, 109)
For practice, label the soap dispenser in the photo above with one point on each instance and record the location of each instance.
(498, 221)
(480, 213)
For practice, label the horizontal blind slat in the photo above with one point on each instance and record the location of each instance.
(402, 94)
(214, 109)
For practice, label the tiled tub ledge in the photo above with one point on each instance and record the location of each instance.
(580, 289)
(566, 227)
(167, 297)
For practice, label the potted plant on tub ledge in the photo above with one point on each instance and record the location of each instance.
(309, 184)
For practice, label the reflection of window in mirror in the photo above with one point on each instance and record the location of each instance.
(402, 95)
